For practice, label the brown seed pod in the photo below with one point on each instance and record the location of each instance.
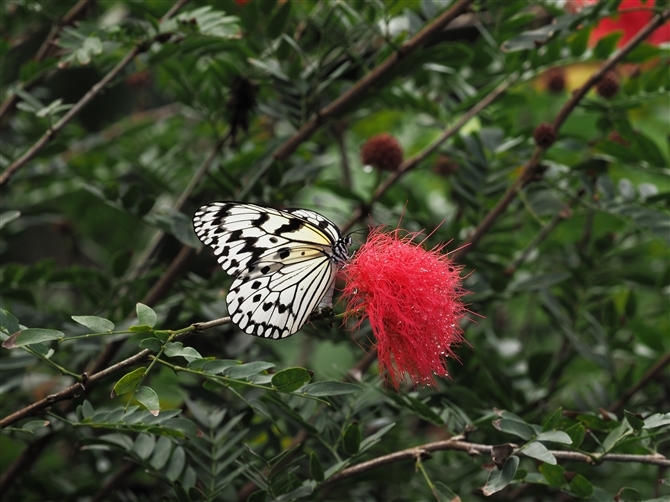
(544, 135)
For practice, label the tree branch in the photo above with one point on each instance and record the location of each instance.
(649, 375)
(475, 449)
(529, 169)
(371, 79)
(46, 49)
(73, 390)
(412, 162)
(563, 214)
(94, 91)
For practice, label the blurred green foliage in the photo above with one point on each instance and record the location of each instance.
(562, 326)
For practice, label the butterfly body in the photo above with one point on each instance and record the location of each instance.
(284, 262)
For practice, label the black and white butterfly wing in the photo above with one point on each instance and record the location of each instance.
(284, 262)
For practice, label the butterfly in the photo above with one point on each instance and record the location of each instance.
(284, 262)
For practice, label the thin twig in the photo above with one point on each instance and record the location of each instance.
(371, 79)
(530, 168)
(174, 9)
(93, 379)
(46, 49)
(644, 380)
(476, 449)
(56, 128)
(414, 161)
(563, 214)
(94, 91)
(158, 236)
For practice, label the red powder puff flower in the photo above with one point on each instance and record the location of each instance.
(412, 298)
(633, 15)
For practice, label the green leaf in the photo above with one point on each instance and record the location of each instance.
(145, 315)
(161, 453)
(182, 495)
(616, 436)
(182, 425)
(553, 474)
(630, 495)
(580, 486)
(643, 53)
(87, 409)
(554, 437)
(276, 25)
(579, 42)
(290, 379)
(144, 445)
(242, 371)
(148, 397)
(259, 496)
(646, 149)
(121, 440)
(128, 382)
(8, 216)
(176, 465)
(606, 45)
(8, 323)
(540, 281)
(162, 335)
(351, 439)
(500, 478)
(315, 468)
(33, 425)
(521, 429)
(153, 344)
(657, 420)
(94, 323)
(374, 438)
(215, 366)
(174, 349)
(32, 336)
(540, 452)
(635, 421)
(329, 388)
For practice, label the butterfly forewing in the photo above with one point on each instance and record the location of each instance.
(283, 262)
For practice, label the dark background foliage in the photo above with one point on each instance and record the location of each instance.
(565, 249)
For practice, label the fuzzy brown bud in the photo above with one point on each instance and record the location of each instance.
(383, 152)
(555, 80)
(544, 135)
(608, 87)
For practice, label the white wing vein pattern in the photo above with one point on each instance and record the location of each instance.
(284, 262)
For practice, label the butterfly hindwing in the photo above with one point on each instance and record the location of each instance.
(282, 261)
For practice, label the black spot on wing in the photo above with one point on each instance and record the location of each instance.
(292, 225)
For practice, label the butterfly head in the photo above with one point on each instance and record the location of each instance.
(341, 249)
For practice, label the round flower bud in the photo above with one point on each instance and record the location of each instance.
(383, 152)
(608, 87)
(555, 80)
(544, 135)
